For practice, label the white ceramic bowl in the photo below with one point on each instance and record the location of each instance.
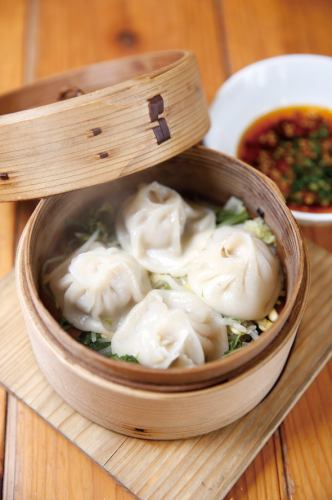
(297, 79)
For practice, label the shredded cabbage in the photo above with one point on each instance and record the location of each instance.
(234, 205)
(258, 228)
(167, 282)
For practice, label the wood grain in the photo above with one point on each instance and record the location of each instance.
(12, 20)
(11, 68)
(104, 30)
(322, 235)
(115, 28)
(307, 438)
(68, 474)
(286, 27)
(307, 434)
(203, 467)
(271, 485)
(59, 135)
(279, 27)
(3, 403)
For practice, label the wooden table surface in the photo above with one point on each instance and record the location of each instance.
(38, 38)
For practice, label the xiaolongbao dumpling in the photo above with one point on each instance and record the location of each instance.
(97, 287)
(162, 230)
(237, 274)
(171, 328)
(206, 322)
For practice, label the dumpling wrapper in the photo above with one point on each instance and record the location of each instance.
(171, 328)
(97, 287)
(237, 274)
(162, 230)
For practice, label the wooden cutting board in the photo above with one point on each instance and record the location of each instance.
(203, 467)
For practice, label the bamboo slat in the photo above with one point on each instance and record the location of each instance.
(194, 468)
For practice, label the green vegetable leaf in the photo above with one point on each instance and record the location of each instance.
(64, 323)
(228, 217)
(234, 342)
(233, 212)
(126, 357)
(258, 228)
(94, 341)
(108, 322)
(320, 133)
(97, 343)
(97, 219)
(162, 285)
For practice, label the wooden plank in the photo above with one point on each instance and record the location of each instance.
(23, 211)
(264, 478)
(202, 467)
(307, 434)
(277, 27)
(319, 234)
(11, 66)
(11, 69)
(286, 27)
(116, 28)
(308, 429)
(7, 232)
(56, 468)
(106, 29)
(12, 43)
(3, 404)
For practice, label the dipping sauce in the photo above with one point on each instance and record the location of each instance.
(293, 146)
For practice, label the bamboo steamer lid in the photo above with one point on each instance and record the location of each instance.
(95, 124)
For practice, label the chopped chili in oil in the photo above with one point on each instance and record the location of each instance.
(293, 146)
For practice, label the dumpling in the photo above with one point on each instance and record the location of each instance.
(171, 328)
(97, 287)
(237, 274)
(162, 230)
(207, 323)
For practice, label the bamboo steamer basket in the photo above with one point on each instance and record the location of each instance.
(158, 415)
(112, 138)
(200, 171)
